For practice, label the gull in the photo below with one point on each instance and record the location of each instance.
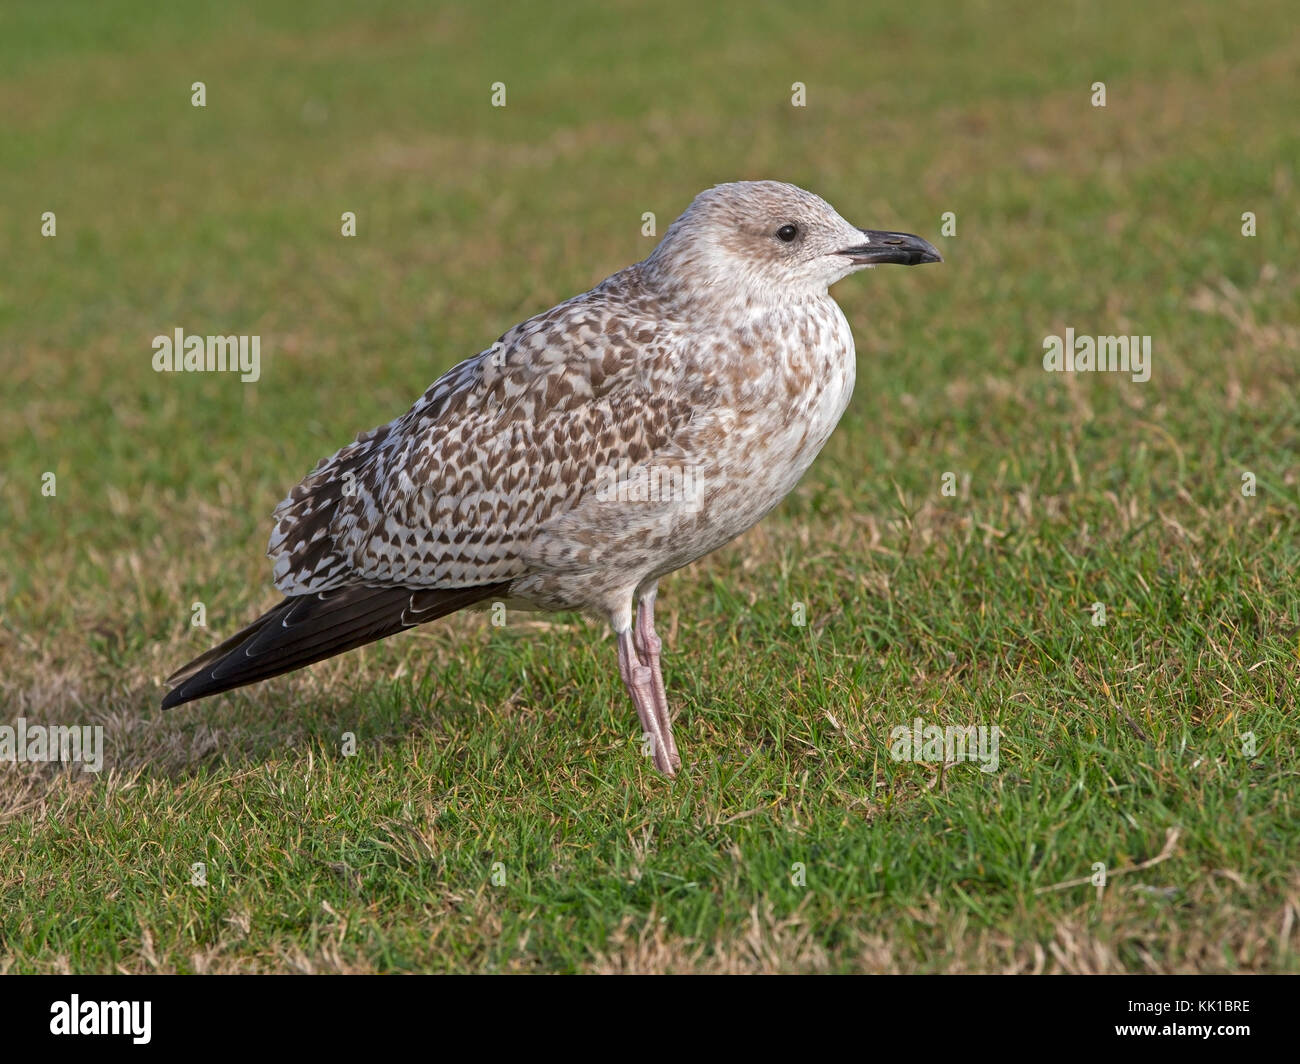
(589, 452)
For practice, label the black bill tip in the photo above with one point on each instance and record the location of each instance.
(903, 249)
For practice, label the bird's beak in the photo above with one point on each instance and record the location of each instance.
(901, 248)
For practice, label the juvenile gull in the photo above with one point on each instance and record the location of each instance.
(590, 451)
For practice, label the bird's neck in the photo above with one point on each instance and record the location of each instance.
(727, 299)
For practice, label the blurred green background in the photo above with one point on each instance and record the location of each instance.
(226, 219)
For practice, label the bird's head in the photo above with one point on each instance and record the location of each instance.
(764, 242)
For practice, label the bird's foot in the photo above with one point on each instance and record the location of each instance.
(649, 647)
(656, 728)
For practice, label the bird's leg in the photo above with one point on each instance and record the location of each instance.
(638, 678)
(648, 648)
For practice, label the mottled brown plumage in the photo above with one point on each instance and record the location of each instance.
(593, 449)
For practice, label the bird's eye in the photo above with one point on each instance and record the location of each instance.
(787, 232)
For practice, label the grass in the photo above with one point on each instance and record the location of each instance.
(486, 754)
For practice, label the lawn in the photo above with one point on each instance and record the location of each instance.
(497, 813)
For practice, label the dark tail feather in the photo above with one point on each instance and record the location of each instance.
(307, 628)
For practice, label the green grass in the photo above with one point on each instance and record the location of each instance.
(1121, 744)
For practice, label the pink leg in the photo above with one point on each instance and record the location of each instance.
(648, 648)
(639, 680)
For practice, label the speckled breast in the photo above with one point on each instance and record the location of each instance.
(780, 418)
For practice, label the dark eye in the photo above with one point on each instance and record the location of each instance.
(787, 232)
